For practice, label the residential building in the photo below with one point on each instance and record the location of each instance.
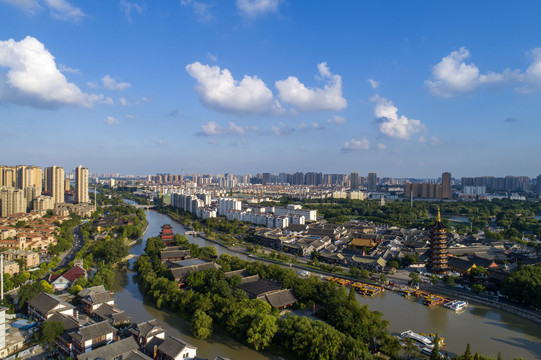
(146, 331)
(81, 184)
(11, 268)
(44, 305)
(125, 349)
(354, 181)
(93, 297)
(446, 185)
(54, 183)
(90, 337)
(170, 348)
(372, 181)
(61, 282)
(12, 201)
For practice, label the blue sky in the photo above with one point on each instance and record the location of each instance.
(406, 89)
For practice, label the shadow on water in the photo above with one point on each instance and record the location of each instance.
(522, 343)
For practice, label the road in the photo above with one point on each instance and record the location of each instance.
(78, 242)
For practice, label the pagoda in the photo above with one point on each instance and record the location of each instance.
(437, 261)
(167, 235)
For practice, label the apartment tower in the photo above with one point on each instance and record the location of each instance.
(54, 183)
(446, 185)
(372, 181)
(81, 184)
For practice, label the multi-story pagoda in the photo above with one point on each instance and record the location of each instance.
(167, 235)
(437, 261)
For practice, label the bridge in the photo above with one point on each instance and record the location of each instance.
(146, 207)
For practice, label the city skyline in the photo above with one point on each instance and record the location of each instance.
(272, 86)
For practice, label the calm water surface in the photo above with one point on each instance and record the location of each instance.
(488, 330)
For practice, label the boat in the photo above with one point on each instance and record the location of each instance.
(418, 338)
(432, 300)
(456, 305)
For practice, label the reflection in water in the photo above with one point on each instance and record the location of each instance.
(489, 331)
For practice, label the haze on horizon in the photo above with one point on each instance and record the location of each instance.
(247, 86)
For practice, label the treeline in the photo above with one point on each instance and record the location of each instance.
(524, 285)
(212, 302)
(210, 226)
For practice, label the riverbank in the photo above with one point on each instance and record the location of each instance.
(525, 313)
(142, 235)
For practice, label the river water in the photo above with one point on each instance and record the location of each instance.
(487, 330)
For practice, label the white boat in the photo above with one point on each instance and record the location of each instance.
(457, 305)
(420, 339)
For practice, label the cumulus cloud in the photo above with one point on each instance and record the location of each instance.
(66, 69)
(112, 84)
(253, 8)
(123, 101)
(130, 116)
(34, 79)
(453, 76)
(110, 121)
(375, 84)
(201, 9)
(356, 145)
(336, 119)
(59, 9)
(127, 8)
(381, 146)
(214, 129)
(392, 125)
(212, 57)
(282, 129)
(218, 90)
(292, 91)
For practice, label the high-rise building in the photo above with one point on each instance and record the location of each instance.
(438, 253)
(538, 185)
(354, 181)
(446, 185)
(81, 184)
(12, 201)
(21, 176)
(372, 181)
(54, 183)
(8, 176)
(34, 177)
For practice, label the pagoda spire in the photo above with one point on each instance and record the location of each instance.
(439, 214)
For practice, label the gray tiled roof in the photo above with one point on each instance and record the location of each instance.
(70, 323)
(170, 346)
(93, 331)
(91, 290)
(112, 314)
(44, 303)
(144, 329)
(111, 351)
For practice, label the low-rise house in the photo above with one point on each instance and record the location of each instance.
(91, 337)
(174, 253)
(115, 316)
(44, 305)
(125, 349)
(91, 298)
(60, 282)
(170, 348)
(146, 331)
(30, 258)
(181, 269)
(11, 268)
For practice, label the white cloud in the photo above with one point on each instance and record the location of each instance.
(356, 145)
(531, 78)
(218, 90)
(212, 57)
(111, 121)
(201, 9)
(63, 10)
(123, 101)
(127, 8)
(381, 146)
(253, 8)
(92, 84)
(34, 79)
(214, 129)
(391, 124)
(65, 69)
(28, 6)
(129, 116)
(282, 129)
(453, 76)
(336, 119)
(213, 142)
(375, 84)
(111, 84)
(60, 9)
(292, 91)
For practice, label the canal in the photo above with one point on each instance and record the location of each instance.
(488, 330)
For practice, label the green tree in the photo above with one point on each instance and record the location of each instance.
(261, 331)
(201, 325)
(382, 278)
(410, 348)
(415, 278)
(434, 279)
(48, 332)
(450, 281)
(478, 288)
(435, 354)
